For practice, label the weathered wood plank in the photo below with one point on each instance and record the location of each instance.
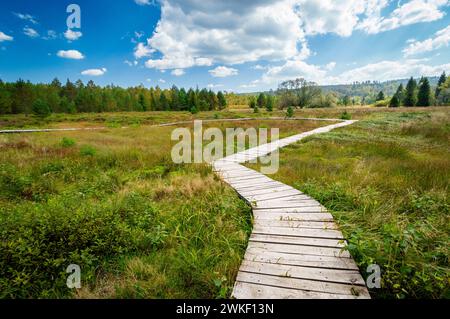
(350, 291)
(296, 224)
(292, 240)
(298, 232)
(300, 260)
(300, 249)
(243, 290)
(351, 277)
(314, 216)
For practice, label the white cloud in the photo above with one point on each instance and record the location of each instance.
(4, 37)
(330, 16)
(162, 81)
(148, 80)
(143, 2)
(50, 35)
(441, 39)
(178, 72)
(26, 17)
(30, 32)
(330, 66)
(379, 71)
(292, 69)
(138, 34)
(411, 12)
(195, 33)
(223, 71)
(142, 50)
(72, 35)
(94, 72)
(129, 63)
(213, 86)
(391, 70)
(70, 54)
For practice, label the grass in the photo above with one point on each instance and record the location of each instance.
(135, 119)
(113, 202)
(386, 181)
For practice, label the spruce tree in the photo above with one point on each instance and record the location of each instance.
(380, 96)
(424, 96)
(222, 100)
(395, 101)
(261, 102)
(269, 103)
(441, 81)
(400, 94)
(410, 98)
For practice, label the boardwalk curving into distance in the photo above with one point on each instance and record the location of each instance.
(295, 249)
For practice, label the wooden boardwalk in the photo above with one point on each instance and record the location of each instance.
(295, 249)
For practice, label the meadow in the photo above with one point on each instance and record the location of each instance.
(386, 181)
(113, 202)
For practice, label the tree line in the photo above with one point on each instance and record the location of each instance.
(421, 94)
(42, 99)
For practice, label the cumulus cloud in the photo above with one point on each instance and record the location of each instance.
(70, 54)
(195, 33)
(378, 71)
(178, 72)
(392, 70)
(411, 12)
(30, 32)
(94, 72)
(4, 37)
(142, 50)
(441, 39)
(72, 35)
(223, 71)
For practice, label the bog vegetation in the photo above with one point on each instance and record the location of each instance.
(386, 181)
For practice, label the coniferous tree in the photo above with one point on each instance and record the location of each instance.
(395, 101)
(269, 103)
(410, 98)
(400, 93)
(261, 101)
(222, 100)
(441, 81)
(380, 96)
(424, 97)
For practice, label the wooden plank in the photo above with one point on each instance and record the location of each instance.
(243, 290)
(292, 240)
(351, 277)
(279, 195)
(300, 260)
(303, 284)
(300, 249)
(293, 216)
(298, 232)
(272, 210)
(251, 192)
(296, 224)
(281, 204)
(258, 187)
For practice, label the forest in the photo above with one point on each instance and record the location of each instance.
(24, 97)
(43, 99)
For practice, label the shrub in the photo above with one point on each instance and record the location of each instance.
(67, 142)
(290, 112)
(41, 108)
(87, 150)
(346, 116)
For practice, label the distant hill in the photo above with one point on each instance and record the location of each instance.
(371, 88)
(362, 89)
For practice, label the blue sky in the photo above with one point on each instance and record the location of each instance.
(232, 45)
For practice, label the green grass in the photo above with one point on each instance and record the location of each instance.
(386, 181)
(113, 202)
